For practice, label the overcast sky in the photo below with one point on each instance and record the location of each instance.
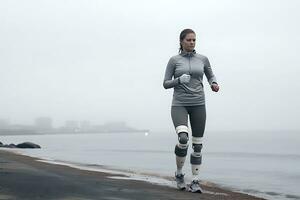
(105, 60)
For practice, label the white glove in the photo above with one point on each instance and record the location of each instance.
(184, 78)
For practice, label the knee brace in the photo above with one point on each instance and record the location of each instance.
(196, 156)
(183, 138)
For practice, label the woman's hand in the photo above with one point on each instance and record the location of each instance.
(214, 87)
(184, 78)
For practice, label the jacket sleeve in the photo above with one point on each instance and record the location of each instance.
(208, 72)
(169, 73)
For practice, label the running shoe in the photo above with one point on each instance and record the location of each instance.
(180, 181)
(195, 187)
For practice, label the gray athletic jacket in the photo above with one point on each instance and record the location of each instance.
(194, 64)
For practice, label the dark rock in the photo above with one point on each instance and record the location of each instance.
(28, 145)
(12, 145)
(8, 145)
(1, 143)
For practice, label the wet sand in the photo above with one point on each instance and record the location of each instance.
(23, 177)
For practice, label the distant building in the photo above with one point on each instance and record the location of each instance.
(72, 125)
(43, 123)
(85, 126)
(116, 126)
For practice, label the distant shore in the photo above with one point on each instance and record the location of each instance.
(13, 133)
(24, 177)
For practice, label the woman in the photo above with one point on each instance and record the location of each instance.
(188, 68)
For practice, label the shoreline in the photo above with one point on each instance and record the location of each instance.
(25, 177)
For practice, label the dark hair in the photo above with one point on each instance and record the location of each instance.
(182, 36)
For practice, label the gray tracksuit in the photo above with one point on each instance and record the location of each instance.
(194, 64)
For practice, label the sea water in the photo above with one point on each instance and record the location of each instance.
(265, 164)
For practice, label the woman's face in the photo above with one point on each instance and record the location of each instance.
(188, 43)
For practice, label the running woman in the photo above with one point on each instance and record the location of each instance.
(188, 68)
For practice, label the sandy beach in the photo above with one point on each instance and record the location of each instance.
(23, 177)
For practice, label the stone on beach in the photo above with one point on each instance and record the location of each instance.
(28, 145)
(8, 145)
(21, 145)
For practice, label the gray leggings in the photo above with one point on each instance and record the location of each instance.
(197, 118)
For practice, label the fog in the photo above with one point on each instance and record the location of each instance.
(105, 60)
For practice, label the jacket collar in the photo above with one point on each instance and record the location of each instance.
(189, 54)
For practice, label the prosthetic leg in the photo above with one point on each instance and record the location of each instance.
(196, 160)
(181, 152)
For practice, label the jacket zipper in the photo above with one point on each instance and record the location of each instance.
(190, 65)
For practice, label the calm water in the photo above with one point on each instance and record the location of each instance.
(267, 164)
